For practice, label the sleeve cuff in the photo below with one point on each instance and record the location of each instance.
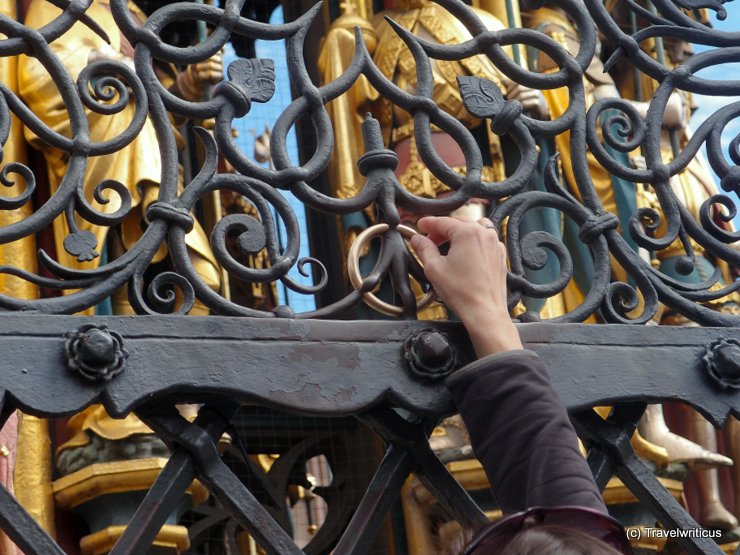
(487, 361)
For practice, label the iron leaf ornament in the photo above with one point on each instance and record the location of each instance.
(252, 79)
(256, 77)
(82, 245)
(482, 97)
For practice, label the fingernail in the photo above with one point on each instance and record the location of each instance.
(414, 240)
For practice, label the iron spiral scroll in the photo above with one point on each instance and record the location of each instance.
(608, 126)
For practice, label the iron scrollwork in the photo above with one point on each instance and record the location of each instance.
(609, 125)
(608, 129)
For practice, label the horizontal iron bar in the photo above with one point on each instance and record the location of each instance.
(341, 367)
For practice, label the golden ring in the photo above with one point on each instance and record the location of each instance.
(356, 279)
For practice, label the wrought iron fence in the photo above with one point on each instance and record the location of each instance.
(628, 139)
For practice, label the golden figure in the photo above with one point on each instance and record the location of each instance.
(616, 195)
(555, 23)
(431, 22)
(345, 111)
(27, 465)
(691, 187)
(137, 166)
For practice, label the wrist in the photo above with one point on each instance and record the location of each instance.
(491, 334)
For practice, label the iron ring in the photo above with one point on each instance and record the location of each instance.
(356, 279)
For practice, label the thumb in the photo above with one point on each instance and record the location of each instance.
(425, 248)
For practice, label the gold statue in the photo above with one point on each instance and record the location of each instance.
(616, 195)
(20, 253)
(431, 22)
(137, 166)
(25, 457)
(555, 23)
(691, 187)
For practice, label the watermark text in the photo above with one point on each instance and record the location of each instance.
(640, 532)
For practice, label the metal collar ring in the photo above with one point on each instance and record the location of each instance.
(355, 277)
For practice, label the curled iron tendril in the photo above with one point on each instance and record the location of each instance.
(29, 181)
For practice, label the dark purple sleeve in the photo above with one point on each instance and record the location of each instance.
(521, 433)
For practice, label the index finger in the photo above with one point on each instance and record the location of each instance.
(440, 229)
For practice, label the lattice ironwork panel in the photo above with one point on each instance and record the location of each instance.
(209, 355)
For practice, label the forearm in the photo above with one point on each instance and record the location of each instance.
(521, 433)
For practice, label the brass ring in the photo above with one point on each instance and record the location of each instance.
(356, 279)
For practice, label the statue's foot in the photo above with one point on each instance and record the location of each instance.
(714, 516)
(730, 536)
(449, 435)
(650, 451)
(682, 450)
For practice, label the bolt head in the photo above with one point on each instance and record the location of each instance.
(97, 346)
(432, 348)
(727, 360)
(722, 362)
(430, 354)
(95, 352)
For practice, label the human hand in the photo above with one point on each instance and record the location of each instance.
(532, 101)
(638, 162)
(470, 279)
(193, 81)
(106, 52)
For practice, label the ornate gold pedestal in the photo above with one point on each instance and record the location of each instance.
(615, 493)
(88, 484)
(171, 537)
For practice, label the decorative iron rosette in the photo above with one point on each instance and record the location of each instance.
(430, 354)
(722, 362)
(95, 352)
